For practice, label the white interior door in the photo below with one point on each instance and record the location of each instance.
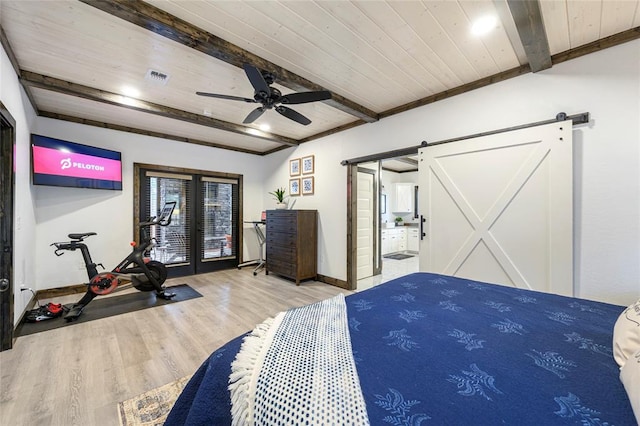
(365, 212)
(499, 208)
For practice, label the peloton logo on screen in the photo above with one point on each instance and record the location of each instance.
(66, 163)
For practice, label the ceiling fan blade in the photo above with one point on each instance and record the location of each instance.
(254, 115)
(304, 97)
(257, 80)
(293, 115)
(231, 98)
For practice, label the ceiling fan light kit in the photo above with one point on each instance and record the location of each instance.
(270, 97)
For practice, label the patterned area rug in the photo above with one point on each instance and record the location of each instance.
(151, 408)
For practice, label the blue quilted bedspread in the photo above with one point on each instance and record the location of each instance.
(440, 350)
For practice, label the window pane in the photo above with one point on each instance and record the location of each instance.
(217, 219)
(172, 240)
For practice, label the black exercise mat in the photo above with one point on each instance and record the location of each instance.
(110, 306)
(398, 256)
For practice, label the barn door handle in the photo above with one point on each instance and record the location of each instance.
(422, 221)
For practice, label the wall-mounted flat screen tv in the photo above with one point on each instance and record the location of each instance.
(62, 163)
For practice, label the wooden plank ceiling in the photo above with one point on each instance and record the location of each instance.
(377, 58)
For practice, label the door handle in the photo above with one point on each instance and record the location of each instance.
(422, 221)
(4, 285)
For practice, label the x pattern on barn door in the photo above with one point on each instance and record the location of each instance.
(499, 208)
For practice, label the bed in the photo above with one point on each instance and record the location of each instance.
(421, 349)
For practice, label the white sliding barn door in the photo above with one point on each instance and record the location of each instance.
(499, 208)
(365, 212)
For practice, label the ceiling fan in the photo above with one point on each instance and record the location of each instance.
(270, 97)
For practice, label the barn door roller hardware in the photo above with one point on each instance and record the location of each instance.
(581, 118)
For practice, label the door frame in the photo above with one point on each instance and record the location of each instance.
(352, 217)
(137, 206)
(7, 209)
(375, 228)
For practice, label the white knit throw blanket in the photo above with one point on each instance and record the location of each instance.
(298, 368)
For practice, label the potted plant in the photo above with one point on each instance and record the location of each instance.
(398, 221)
(279, 196)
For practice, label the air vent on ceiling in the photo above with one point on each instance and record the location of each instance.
(157, 77)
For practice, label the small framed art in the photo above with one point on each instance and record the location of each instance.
(307, 165)
(294, 187)
(294, 167)
(307, 185)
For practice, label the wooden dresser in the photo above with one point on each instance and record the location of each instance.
(292, 243)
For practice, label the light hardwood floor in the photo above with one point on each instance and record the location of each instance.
(76, 375)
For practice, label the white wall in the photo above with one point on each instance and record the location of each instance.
(24, 262)
(60, 211)
(607, 159)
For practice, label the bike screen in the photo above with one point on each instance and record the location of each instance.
(167, 211)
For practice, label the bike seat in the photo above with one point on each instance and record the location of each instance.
(81, 236)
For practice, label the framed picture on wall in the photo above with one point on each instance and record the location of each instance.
(294, 167)
(307, 185)
(307, 165)
(294, 187)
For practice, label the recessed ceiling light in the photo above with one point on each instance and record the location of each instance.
(483, 25)
(253, 131)
(265, 127)
(130, 92)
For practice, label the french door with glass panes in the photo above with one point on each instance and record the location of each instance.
(203, 235)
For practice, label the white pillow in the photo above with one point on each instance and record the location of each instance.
(626, 334)
(630, 377)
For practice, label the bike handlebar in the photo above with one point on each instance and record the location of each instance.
(66, 245)
(165, 216)
(60, 247)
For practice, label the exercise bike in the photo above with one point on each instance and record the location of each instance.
(145, 274)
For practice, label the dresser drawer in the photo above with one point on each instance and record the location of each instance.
(278, 239)
(276, 214)
(288, 254)
(282, 226)
(282, 267)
